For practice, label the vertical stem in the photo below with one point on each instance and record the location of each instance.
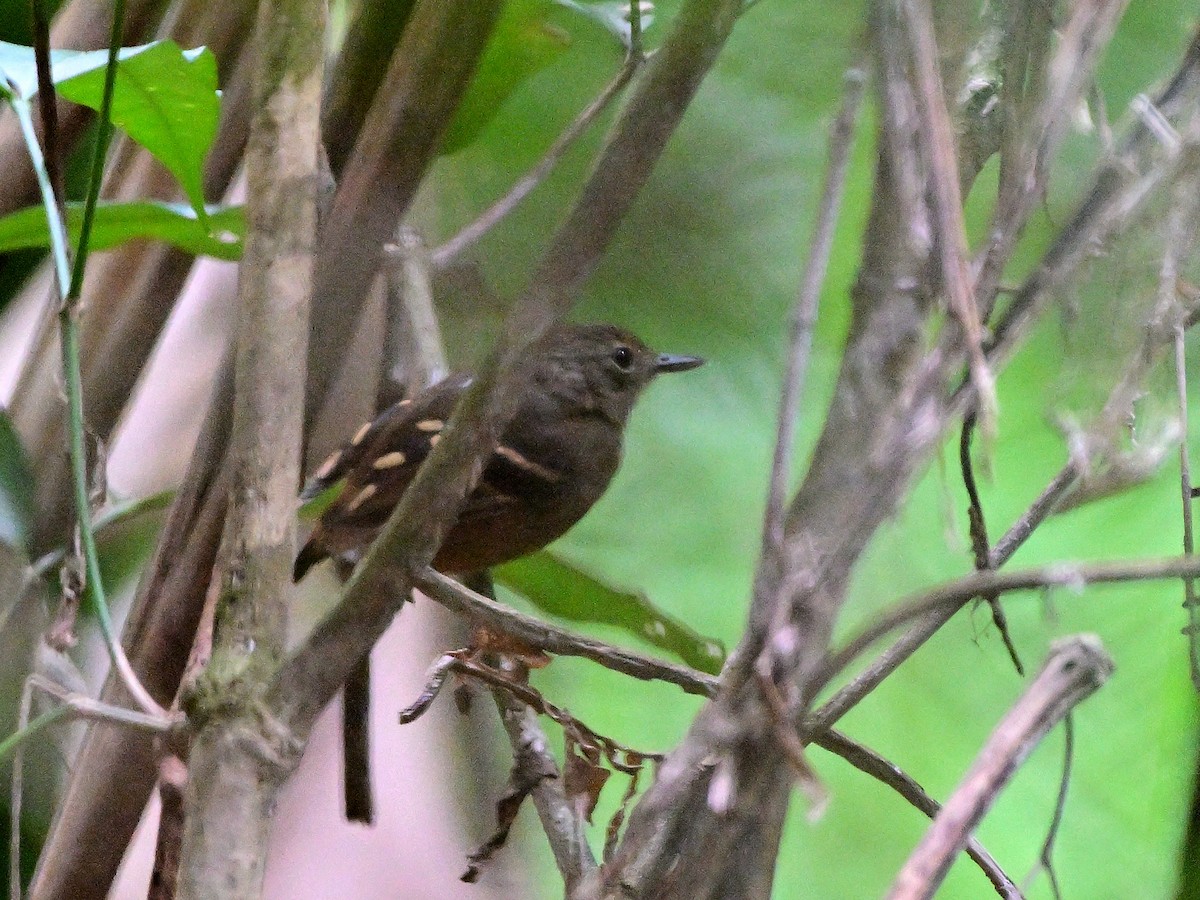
(241, 755)
(1190, 602)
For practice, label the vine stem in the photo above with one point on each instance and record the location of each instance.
(69, 283)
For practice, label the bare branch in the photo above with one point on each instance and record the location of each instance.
(561, 820)
(445, 254)
(950, 232)
(871, 763)
(430, 68)
(1074, 576)
(1075, 669)
(229, 799)
(413, 348)
(544, 636)
(801, 325)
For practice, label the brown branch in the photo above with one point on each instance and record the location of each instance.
(767, 581)
(231, 794)
(544, 636)
(1046, 855)
(950, 233)
(1075, 669)
(473, 233)
(954, 594)
(438, 52)
(882, 770)
(561, 821)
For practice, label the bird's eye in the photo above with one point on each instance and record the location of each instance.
(623, 357)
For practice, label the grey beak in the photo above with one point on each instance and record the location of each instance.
(668, 362)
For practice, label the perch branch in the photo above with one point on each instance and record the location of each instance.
(1075, 669)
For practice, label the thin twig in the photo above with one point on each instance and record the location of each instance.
(563, 825)
(793, 746)
(69, 706)
(544, 636)
(768, 580)
(804, 316)
(1190, 603)
(871, 763)
(446, 253)
(954, 594)
(413, 351)
(1075, 669)
(980, 547)
(937, 137)
(1046, 856)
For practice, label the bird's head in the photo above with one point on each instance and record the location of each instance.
(599, 367)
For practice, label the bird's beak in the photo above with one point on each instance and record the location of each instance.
(668, 362)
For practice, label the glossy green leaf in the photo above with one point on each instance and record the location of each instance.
(16, 487)
(565, 590)
(166, 99)
(19, 68)
(220, 235)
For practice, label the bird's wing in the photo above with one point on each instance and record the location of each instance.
(382, 458)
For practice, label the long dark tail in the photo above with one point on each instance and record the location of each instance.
(309, 555)
(356, 744)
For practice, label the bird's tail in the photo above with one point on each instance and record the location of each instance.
(311, 554)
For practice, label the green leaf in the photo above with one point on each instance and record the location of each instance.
(522, 44)
(313, 509)
(18, 68)
(219, 236)
(167, 100)
(16, 487)
(564, 590)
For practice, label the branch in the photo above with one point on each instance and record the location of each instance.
(437, 55)
(231, 791)
(954, 594)
(767, 581)
(871, 763)
(473, 233)
(560, 820)
(1075, 669)
(544, 636)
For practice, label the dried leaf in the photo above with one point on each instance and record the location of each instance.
(490, 640)
(527, 773)
(584, 778)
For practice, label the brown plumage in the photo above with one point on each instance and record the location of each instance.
(554, 460)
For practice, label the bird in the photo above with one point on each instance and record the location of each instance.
(554, 460)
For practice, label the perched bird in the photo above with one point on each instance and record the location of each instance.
(553, 462)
